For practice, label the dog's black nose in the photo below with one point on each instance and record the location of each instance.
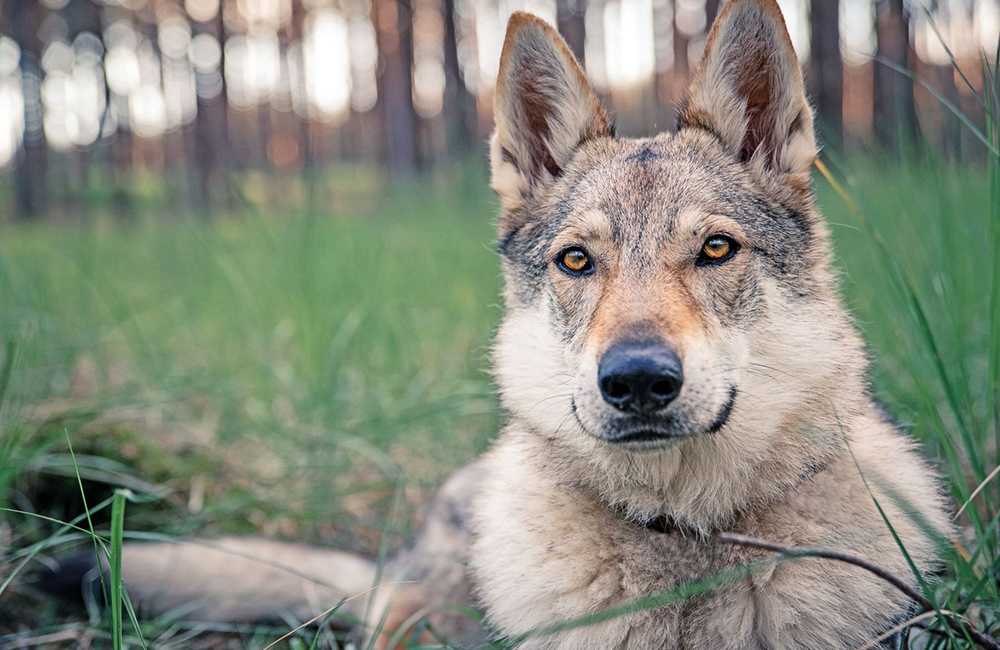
(640, 376)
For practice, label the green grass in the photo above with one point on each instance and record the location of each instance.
(928, 255)
(285, 333)
(284, 372)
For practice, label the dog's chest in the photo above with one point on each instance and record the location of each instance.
(658, 556)
(547, 551)
(557, 559)
(661, 574)
(661, 563)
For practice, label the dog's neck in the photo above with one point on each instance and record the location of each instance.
(707, 482)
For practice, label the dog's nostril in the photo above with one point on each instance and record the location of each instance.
(663, 389)
(616, 389)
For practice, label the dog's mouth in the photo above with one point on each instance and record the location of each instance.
(724, 412)
(662, 433)
(648, 439)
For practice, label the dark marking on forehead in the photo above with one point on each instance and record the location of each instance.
(644, 155)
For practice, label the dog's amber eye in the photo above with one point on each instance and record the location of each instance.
(716, 248)
(575, 261)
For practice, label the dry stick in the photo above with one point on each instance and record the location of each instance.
(334, 608)
(993, 475)
(915, 621)
(55, 637)
(980, 639)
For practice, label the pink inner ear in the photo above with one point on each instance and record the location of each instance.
(758, 85)
(537, 108)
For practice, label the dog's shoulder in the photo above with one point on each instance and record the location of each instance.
(875, 499)
(879, 479)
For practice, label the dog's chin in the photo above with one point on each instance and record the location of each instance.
(647, 441)
(662, 433)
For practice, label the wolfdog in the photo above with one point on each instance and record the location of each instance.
(676, 364)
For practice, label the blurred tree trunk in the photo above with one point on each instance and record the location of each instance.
(895, 115)
(827, 69)
(83, 17)
(210, 126)
(123, 149)
(394, 35)
(263, 113)
(122, 145)
(298, 35)
(307, 152)
(712, 10)
(663, 58)
(459, 126)
(951, 129)
(681, 67)
(25, 19)
(572, 25)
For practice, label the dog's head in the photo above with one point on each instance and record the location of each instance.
(661, 289)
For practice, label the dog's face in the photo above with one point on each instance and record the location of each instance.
(646, 279)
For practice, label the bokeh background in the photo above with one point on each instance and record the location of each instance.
(97, 94)
(246, 264)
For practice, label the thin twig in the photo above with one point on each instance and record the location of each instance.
(45, 639)
(899, 628)
(993, 475)
(979, 638)
(335, 608)
(743, 540)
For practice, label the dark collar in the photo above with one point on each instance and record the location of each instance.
(662, 524)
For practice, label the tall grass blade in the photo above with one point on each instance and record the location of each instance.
(117, 530)
(117, 598)
(90, 521)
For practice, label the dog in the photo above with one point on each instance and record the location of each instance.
(677, 366)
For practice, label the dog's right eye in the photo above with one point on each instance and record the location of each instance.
(716, 249)
(574, 261)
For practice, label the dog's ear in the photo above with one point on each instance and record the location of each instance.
(748, 91)
(543, 108)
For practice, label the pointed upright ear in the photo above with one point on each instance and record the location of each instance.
(543, 108)
(748, 91)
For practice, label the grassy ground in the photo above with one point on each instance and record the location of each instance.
(282, 373)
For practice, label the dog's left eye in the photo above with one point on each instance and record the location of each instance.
(574, 261)
(716, 249)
